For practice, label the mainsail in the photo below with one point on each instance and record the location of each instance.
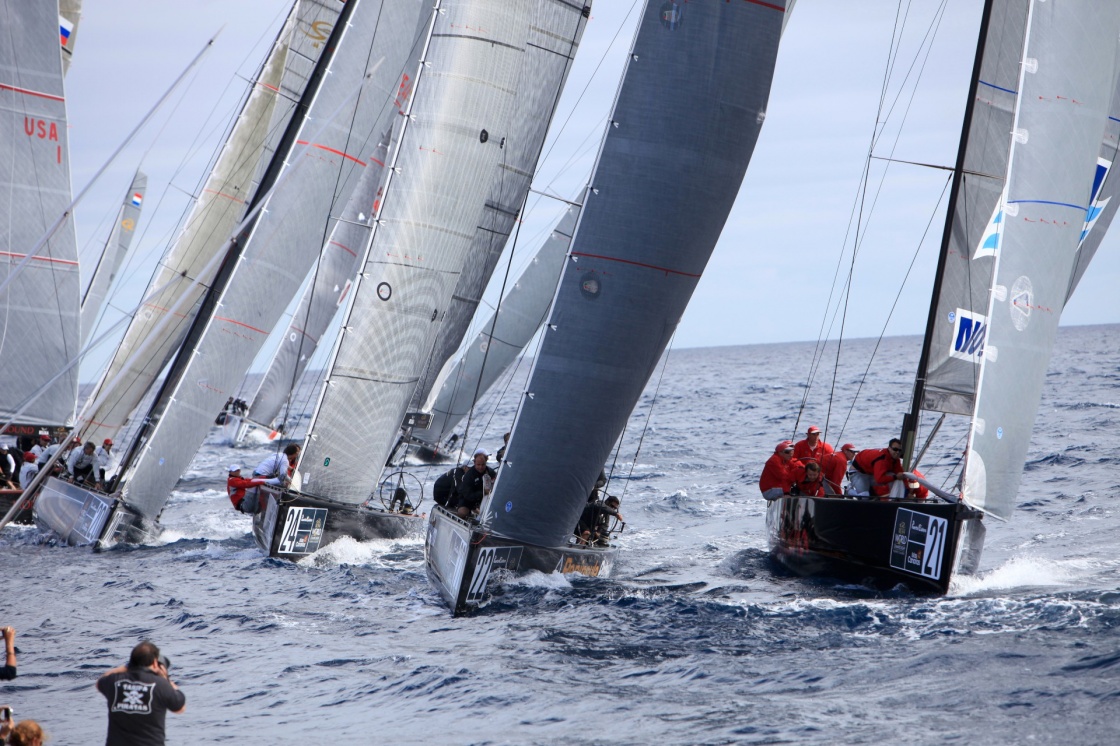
(40, 327)
(546, 64)
(329, 288)
(684, 125)
(501, 337)
(112, 255)
(374, 44)
(446, 166)
(1069, 72)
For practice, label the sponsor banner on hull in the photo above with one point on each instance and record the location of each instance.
(303, 530)
(919, 543)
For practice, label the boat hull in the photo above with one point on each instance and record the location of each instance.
(294, 525)
(460, 559)
(81, 517)
(909, 541)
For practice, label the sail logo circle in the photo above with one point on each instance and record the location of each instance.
(1022, 298)
(671, 15)
(590, 286)
(384, 291)
(509, 506)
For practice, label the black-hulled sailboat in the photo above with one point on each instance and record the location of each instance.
(684, 125)
(1031, 199)
(471, 132)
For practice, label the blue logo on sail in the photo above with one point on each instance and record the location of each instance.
(671, 15)
(969, 332)
(1096, 207)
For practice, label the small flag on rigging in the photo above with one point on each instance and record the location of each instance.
(137, 198)
(65, 28)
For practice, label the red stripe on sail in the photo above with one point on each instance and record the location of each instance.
(29, 92)
(331, 150)
(666, 270)
(39, 258)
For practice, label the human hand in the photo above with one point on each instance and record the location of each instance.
(9, 634)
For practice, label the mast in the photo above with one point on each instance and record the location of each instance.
(237, 243)
(913, 417)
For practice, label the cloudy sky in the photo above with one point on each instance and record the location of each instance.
(793, 222)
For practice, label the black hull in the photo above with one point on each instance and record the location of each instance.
(8, 498)
(915, 542)
(293, 525)
(80, 517)
(460, 558)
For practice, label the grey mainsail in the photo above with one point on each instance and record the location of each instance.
(446, 164)
(349, 107)
(40, 327)
(113, 254)
(501, 337)
(157, 330)
(547, 63)
(957, 321)
(684, 125)
(1069, 73)
(327, 291)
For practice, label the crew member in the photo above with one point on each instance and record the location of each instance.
(276, 471)
(81, 463)
(882, 465)
(594, 524)
(779, 473)
(446, 487)
(834, 467)
(915, 490)
(29, 470)
(8, 670)
(41, 447)
(139, 696)
(477, 483)
(812, 447)
(236, 485)
(810, 484)
(501, 454)
(106, 464)
(7, 471)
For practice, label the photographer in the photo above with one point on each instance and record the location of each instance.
(139, 696)
(9, 669)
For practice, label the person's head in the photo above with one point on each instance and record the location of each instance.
(143, 655)
(107, 443)
(27, 733)
(812, 435)
(812, 470)
(235, 470)
(895, 447)
(480, 457)
(505, 438)
(612, 502)
(29, 457)
(89, 447)
(784, 449)
(849, 451)
(292, 452)
(44, 438)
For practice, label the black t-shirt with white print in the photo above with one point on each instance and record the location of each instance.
(139, 700)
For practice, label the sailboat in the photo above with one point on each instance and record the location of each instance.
(488, 68)
(683, 128)
(39, 281)
(1029, 204)
(287, 172)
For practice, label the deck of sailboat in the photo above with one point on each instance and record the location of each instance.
(909, 541)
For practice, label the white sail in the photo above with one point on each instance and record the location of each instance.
(157, 330)
(501, 337)
(40, 327)
(113, 254)
(447, 162)
(316, 164)
(328, 290)
(1069, 71)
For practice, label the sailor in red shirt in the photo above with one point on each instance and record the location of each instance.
(884, 465)
(778, 474)
(810, 484)
(835, 467)
(812, 447)
(916, 490)
(236, 485)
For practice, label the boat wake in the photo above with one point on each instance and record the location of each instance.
(1024, 572)
(375, 552)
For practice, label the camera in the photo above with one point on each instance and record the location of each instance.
(165, 662)
(5, 714)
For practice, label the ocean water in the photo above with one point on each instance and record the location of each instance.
(698, 638)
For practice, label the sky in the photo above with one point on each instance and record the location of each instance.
(771, 275)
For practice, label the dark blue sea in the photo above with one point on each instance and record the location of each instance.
(697, 639)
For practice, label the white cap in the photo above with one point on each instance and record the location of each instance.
(234, 467)
(483, 452)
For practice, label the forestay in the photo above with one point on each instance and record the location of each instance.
(460, 119)
(502, 336)
(112, 255)
(1069, 73)
(329, 287)
(158, 328)
(548, 57)
(353, 104)
(40, 328)
(681, 134)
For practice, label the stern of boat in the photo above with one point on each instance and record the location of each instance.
(293, 525)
